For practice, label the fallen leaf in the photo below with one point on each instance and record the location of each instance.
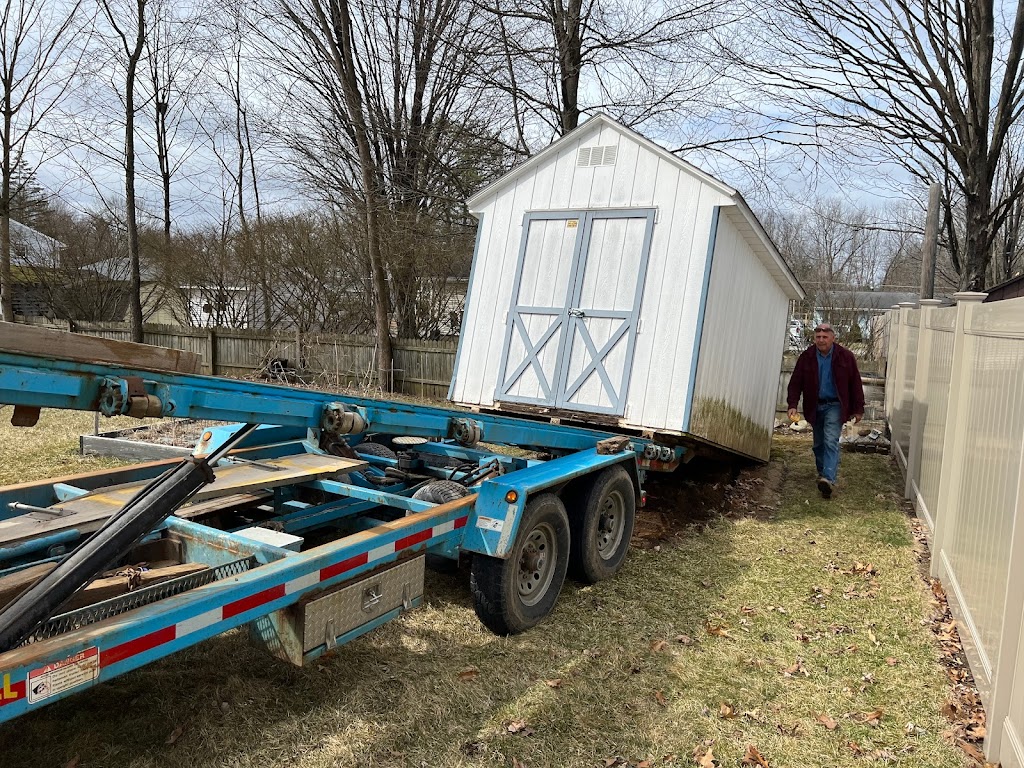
(474, 748)
(660, 698)
(684, 639)
(556, 683)
(645, 764)
(659, 645)
(972, 751)
(175, 735)
(754, 757)
(517, 764)
(468, 673)
(892, 661)
(617, 760)
(705, 760)
(827, 721)
(73, 762)
(787, 730)
(873, 718)
(871, 636)
(718, 630)
(797, 668)
(746, 610)
(520, 727)
(726, 711)
(854, 747)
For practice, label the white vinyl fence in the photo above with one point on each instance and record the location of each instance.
(955, 406)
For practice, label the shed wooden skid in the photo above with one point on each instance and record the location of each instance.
(616, 284)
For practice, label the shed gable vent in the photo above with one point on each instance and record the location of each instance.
(590, 156)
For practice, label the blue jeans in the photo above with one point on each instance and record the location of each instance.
(828, 427)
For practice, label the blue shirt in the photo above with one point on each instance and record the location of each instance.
(826, 383)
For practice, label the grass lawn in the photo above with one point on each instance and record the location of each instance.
(791, 630)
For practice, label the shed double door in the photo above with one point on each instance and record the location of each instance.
(575, 309)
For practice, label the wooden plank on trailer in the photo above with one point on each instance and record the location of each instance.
(235, 485)
(107, 587)
(61, 345)
(13, 584)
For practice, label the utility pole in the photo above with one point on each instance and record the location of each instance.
(931, 242)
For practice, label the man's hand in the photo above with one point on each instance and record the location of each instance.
(793, 415)
(857, 417)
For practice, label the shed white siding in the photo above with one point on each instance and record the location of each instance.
(741, 345)
(659, 386)
(554, 317)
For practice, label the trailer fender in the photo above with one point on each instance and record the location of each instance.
(499, 507)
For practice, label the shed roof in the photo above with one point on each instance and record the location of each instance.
(739, 213)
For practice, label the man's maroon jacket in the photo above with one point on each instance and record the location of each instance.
(804, 381)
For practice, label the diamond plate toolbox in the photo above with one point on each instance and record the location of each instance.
(328, 616)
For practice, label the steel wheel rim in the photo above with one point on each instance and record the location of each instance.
(537, 564)
(610, 524)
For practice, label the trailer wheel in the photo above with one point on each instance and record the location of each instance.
(440, 492)
(601, 525)
(516, 593)
(376, 449)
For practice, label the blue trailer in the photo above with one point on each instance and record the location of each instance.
(310, 521)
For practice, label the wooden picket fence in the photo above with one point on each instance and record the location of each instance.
(421, 368)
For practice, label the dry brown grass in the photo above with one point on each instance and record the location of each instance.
(730, 611)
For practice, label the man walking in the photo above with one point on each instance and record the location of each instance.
(826, 375)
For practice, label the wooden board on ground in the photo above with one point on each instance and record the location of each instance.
(63, 345)
(89, 512)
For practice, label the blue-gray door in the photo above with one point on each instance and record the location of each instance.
(572, 322)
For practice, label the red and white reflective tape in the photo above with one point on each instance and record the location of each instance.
(118, 653)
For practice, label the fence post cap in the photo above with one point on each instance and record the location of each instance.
(907, 304)
(930, 302)
(968, 296)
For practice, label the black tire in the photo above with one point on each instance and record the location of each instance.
(516, 593)
(376, 449)
(439, 492)
(601, 524)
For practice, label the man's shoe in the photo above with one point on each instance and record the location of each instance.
(825, 487)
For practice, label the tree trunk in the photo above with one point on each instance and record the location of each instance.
(980, 236)
(568, 42)
(129, 176)
(342, 22)
(6, 287)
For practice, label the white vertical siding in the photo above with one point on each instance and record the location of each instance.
(740, 347)
(659, 385)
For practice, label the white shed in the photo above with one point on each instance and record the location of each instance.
(615, 284)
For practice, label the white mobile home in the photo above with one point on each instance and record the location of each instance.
(615, 284)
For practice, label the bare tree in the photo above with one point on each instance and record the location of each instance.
(386, 104)
(557, 59)
(173, 67)
(934, 85)
(37, 60)
(127, 25)
(328, 62)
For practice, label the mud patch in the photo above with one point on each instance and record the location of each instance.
(702, 491)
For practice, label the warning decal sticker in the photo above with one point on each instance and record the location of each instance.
(63, 675)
